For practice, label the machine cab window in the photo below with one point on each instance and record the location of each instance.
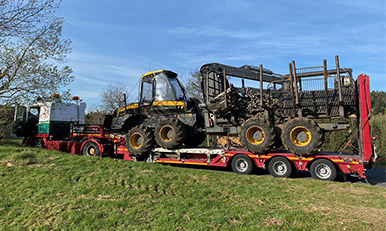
(164, 86)
(147, 90)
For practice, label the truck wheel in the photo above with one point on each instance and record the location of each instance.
(170, 133)
(242, 164)
(91, 149)
(323, 169)
(38, 143)
(139, 140)
(280, 167)
(302, 136)
(257, 135)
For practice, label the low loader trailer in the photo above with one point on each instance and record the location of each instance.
(96, 140)
(321, 165)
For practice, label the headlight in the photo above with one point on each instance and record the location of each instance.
(346, 81)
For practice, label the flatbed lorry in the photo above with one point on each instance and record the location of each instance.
(95, 140)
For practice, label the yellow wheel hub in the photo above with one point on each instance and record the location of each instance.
(166, 133)
(255, 135)
(136, 140)
(91, 151)
(300, 136)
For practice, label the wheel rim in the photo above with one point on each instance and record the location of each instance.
(300, 136)
(166, 133)
(255, 135)
(91, 151)
(136, 140)
(323, 171)
(280, 168)
(241, 165)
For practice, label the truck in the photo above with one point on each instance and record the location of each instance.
(65, 129)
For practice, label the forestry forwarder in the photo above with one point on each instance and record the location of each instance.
(294, 110)
(163, 115)
(289, 110)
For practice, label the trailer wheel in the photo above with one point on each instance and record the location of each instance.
(302, 136)
(140, 140)
(323, 169)
(91, 149)
(242, 164)
(170, 133)
(38, 143)
(280, 167)
(257, 135)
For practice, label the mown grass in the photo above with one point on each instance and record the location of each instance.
(42, 189)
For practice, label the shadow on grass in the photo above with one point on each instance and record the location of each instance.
(14, 142)
(376, 176)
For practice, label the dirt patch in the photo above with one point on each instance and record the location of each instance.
(235, 222)
(353, 190)
(273, 221)
(98, 198)
(347, 213)
(145, 171)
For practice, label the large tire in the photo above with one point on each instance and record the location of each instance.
(38, 143)
(91, 149)
(302, 136)
(323, 169)
(257, 135)
(139, 140)
(170, 133)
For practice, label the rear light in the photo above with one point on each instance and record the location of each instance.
(374, 137)
(211, 122)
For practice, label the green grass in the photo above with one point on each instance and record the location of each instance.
(42, 189)
(380, 163)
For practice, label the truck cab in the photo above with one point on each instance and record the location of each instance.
(50, 118)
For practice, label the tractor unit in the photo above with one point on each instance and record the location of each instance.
(49, 118)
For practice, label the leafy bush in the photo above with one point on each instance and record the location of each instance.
(378, 129)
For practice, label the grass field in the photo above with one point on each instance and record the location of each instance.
(41, 189)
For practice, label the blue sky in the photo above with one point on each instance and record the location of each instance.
(121, 40)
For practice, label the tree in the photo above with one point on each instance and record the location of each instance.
(95, 117)
(32, 52)
(113, 96)
(193, 86)
(18, 18)
(378, 102)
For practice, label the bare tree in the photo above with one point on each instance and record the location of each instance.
(193, 86)
(113, 96)
(18, 17)
(32, 52)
